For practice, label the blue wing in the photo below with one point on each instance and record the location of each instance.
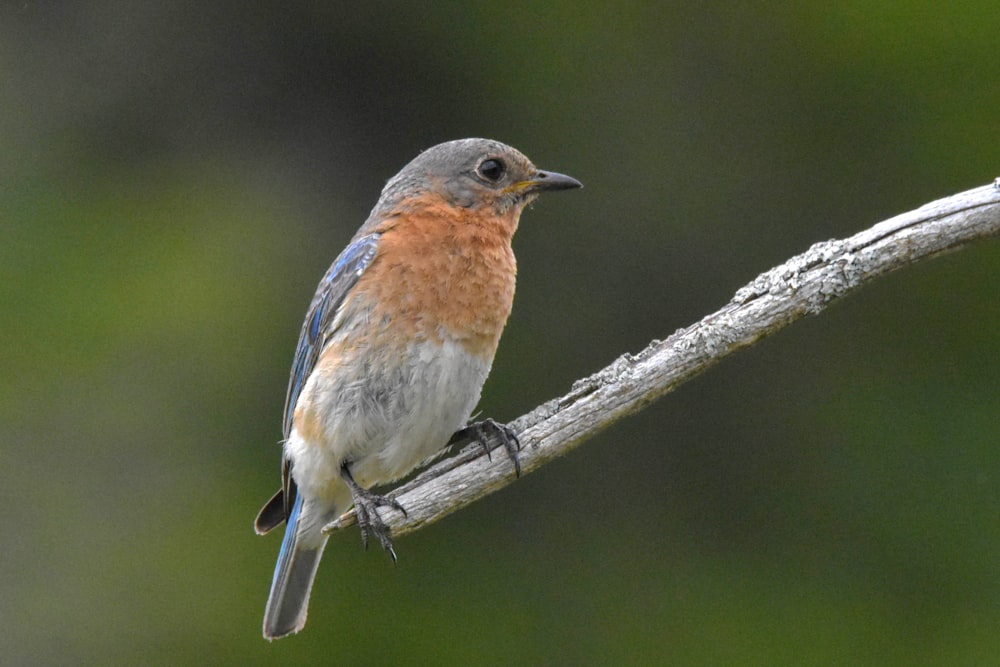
(332, 290)
(337, 282)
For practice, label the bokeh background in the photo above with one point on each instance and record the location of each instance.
(175, 178)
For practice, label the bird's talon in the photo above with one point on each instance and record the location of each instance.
(482, 430)
(366, 506)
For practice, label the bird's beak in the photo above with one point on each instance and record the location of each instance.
(549, 180)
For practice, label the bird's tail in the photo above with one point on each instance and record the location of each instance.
(293, 576)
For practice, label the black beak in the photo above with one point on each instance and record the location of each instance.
(550, 180)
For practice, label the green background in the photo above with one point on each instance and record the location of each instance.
(175, 178)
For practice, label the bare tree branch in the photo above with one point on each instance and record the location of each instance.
(804, 285)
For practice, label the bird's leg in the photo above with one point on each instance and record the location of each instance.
(365, 504)
(481, 432)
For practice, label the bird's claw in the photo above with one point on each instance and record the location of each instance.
(369, 521)
(366, 506)
(482, 430)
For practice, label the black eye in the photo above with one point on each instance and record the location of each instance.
(491, 170)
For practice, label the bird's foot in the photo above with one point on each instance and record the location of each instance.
(366, 506)
(482, 430)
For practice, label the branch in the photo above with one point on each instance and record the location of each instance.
(804, 285)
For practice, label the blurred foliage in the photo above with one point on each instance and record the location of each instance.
(176, 177)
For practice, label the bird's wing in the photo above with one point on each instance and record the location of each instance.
(333, 288)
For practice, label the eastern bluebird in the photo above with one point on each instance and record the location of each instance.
(395, 348)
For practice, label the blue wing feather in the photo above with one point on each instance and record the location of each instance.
(339, 279)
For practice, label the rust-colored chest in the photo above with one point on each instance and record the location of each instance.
(444, 273)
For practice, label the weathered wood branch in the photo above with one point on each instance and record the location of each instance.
(804, 285)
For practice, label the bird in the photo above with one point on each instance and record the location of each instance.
(394, 350)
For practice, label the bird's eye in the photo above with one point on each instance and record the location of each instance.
(491, 170)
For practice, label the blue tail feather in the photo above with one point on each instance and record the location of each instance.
(293, 579)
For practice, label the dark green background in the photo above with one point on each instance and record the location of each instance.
(175, 178)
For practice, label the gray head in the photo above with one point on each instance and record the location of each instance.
(471, 173)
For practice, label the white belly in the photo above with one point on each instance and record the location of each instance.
(384, 414)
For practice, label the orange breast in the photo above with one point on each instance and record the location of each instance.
(443, 271)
